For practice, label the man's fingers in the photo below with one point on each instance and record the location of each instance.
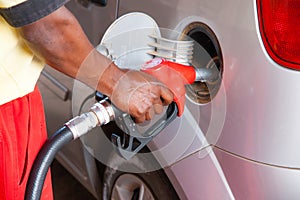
(141, 96)
(140, 119)
(166, 95)
(158, 108)
(149, 115)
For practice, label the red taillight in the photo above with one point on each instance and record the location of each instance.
(280, 29)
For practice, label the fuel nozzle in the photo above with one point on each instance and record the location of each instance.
(175, 76)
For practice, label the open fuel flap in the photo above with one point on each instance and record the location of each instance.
(135, 38)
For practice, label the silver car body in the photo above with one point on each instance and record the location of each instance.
(255, 154)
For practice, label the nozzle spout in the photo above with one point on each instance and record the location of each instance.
(207, 75)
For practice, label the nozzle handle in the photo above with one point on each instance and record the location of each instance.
(137, 139)
(174, 75)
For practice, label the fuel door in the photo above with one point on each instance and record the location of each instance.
(136, 38)
(127, 40)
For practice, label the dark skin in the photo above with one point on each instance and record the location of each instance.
(59, 40)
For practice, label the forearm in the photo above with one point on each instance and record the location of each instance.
(59, 40)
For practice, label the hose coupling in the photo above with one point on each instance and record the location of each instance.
(104, 112)
(100, 113)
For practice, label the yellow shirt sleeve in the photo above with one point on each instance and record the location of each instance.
(10, 3)
(19, 68)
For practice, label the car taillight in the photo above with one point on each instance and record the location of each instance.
(280, 29)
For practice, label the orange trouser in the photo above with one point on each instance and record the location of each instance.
(22, 133)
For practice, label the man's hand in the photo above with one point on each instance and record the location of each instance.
(141, 95)
(135, 92)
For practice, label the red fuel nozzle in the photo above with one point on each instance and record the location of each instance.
(175, 76)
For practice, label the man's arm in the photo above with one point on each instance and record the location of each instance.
(60, 41)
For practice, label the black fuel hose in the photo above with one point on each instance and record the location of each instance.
(43, 161)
